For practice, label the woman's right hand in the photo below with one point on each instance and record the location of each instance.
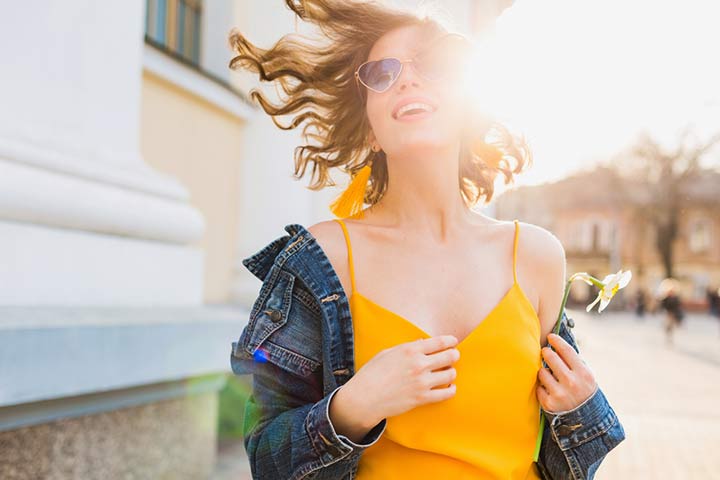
(401, 378)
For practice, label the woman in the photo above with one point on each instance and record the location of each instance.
(446, 377)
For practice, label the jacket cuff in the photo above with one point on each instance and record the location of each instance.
(330, 445)
(574, 427)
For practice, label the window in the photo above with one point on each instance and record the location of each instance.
(593, 235)
(699, 235)
(175, 26)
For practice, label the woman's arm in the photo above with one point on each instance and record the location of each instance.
(584, 428)
(288, 433)
(576, 441)
(287, 427)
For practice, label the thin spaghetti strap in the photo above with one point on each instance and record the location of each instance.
(515, 243)
(349, 252)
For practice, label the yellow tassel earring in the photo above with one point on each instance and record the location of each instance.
(350, 202)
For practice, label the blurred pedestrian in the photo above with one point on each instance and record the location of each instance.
(672, 304)
(713, 297)
(640, 303)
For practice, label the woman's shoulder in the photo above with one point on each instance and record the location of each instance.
(539, 245)
(328, 234)
(536, 244)
(323, 228)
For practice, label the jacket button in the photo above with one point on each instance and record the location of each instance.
(571, 322)
(275, 315)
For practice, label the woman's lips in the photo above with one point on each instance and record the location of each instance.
(410, 100)
(414, 117)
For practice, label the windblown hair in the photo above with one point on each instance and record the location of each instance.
(319, 82)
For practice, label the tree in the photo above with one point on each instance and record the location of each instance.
(666, 176)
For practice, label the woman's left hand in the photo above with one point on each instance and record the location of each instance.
(568, 382)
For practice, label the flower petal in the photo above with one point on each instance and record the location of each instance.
(604, 303)
(589, 307)
(625, 279)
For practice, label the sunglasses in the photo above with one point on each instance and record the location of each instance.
(441, 60)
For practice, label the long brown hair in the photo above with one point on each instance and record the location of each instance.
(319, 84)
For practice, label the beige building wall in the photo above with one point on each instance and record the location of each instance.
(200, 145)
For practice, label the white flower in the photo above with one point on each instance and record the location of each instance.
(610, 285)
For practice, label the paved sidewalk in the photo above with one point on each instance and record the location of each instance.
(667, 398)
(232, 462)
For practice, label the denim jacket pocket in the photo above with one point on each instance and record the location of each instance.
(271, 334)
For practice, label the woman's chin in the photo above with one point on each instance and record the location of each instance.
(420, 146)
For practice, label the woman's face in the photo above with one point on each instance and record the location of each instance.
(402, 133)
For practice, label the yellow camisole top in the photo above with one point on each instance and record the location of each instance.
(488, 429)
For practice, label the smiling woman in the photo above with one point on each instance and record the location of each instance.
(348, 387)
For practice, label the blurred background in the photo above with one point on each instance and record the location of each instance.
(135, 175)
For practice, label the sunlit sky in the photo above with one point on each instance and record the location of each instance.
(580, 79)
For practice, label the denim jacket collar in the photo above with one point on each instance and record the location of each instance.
(299, 254)
(260, 262)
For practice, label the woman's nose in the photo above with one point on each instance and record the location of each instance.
(407, 76)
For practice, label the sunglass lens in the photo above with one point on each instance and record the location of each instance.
(380, 74)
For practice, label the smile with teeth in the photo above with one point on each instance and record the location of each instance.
(414, 108)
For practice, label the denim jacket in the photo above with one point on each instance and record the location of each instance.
(298, 346)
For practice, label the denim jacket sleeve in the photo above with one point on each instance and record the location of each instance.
(288, 433)
(287, 427)
(576, 441)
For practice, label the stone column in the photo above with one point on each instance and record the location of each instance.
(110, 364)
(83, 220)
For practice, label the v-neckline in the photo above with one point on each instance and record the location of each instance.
(478, 327)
